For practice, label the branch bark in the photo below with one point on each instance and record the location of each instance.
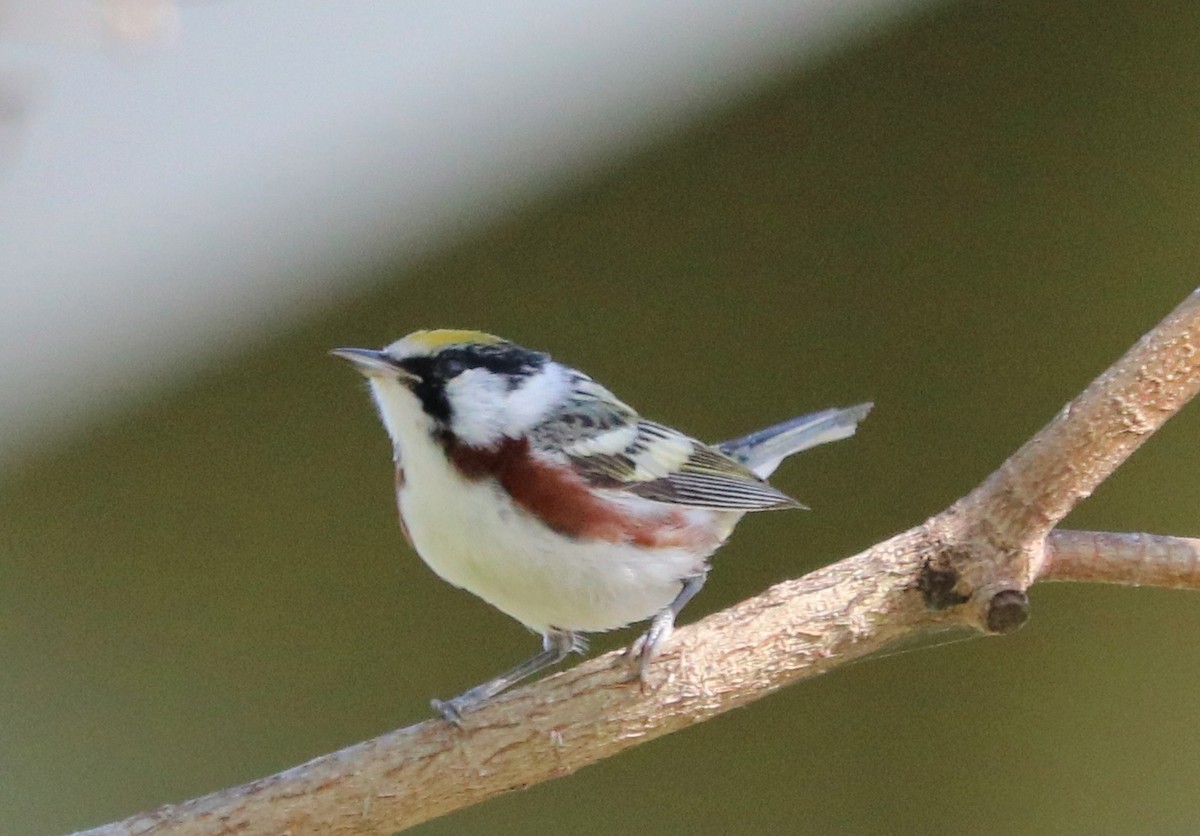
(1128, 559)
(969, 565)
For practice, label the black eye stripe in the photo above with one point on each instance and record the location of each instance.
(429, 388)
(503, 359)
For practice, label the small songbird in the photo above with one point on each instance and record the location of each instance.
(529, 484)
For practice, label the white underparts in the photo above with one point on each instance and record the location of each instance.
(472, 535)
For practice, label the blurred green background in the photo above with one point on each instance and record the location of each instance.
(964, 218)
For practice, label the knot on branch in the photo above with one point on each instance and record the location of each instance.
(946, 581)
(1007, 611)
(939, 586)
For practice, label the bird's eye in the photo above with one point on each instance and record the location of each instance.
(451, 366)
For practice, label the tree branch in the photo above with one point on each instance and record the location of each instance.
(1128, 559)
(970, 565)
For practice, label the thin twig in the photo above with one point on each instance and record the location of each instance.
(1127, 559)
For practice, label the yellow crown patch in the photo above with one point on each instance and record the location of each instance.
(438, 337)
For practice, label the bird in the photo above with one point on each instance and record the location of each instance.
(525, 482)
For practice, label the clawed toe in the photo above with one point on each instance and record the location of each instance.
(646, 648)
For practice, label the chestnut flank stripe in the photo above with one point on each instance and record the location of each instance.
(564, 502)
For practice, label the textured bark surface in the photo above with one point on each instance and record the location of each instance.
(970, 565)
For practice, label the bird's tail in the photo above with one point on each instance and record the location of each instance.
(762, 451)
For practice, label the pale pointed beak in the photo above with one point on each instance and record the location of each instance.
(371, 363)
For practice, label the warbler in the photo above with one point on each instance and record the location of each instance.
(527, 483)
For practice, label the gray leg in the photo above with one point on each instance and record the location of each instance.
(556, 646)
(646, 648)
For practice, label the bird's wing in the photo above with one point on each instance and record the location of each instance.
(611, 447)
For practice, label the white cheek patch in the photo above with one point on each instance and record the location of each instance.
(534, 399)
(477, 399)
(486, 410)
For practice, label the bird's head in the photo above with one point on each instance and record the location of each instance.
(466, 387)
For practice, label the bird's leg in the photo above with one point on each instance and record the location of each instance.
(646, 648)
(556, 646)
